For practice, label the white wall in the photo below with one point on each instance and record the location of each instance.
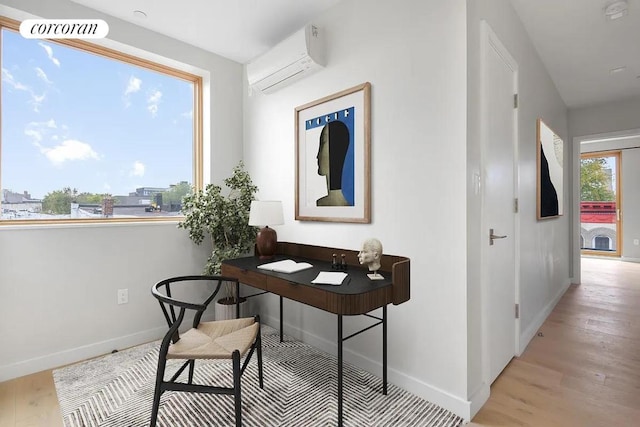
(59, 289)
(605, 118)
(544, 245)
(58, 284)
(631, 204)
(414, 54)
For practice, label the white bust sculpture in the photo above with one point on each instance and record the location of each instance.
(370, 255)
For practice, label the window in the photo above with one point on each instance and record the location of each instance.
(602, 243)
(90, 134)
(600, 201)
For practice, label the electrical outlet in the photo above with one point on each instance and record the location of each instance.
(123, 296)
(636, 242)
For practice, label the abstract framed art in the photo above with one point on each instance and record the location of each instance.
(333, 149)
(550, 182)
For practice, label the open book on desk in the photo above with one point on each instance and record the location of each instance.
(285, 266)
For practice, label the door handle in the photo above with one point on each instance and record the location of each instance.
(492, 236)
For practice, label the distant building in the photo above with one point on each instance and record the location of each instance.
(145, 202)
(19, 204)
(86, 210)
(147, 191)
(132, 200)
(598, 226)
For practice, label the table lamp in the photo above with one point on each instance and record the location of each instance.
(264, 213)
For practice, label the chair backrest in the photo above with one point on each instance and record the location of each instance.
(169, 304)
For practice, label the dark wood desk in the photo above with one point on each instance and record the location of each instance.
(357, 295)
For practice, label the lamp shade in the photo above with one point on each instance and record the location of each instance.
(265, 212)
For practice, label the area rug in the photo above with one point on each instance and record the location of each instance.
(300, 390)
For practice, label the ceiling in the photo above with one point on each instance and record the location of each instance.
(236, 29)
(578, 45)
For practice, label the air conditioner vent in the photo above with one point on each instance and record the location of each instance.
(297, 56)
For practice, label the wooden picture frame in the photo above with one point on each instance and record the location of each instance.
(333, 150)
(550, 171)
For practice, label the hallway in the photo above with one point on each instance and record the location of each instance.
(583, 368)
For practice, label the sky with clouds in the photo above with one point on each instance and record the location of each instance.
(73, 119)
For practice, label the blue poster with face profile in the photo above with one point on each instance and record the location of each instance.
(336, 153)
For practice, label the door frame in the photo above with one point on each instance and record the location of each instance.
(619, 138)
(489, 40)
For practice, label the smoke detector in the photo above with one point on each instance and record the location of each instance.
(616, 10)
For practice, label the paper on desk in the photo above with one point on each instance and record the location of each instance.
(329, 278)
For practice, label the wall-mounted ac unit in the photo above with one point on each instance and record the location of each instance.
(295, 57)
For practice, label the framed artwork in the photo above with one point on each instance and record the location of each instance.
(333, 145)
(550, 182)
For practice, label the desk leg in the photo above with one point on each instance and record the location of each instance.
(339, 370)
(281, 335)
(384, 350)
(237, 300)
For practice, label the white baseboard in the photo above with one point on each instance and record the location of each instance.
(527, 335)
(84, 352)
(479, 398)
(73, 355)
(458, 406)
(88, 351)
(629, 259)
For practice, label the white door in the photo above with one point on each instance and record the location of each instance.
(499, 175)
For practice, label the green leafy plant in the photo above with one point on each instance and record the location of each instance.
(223, 216)
(595, 180)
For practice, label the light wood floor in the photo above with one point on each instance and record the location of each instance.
(582, 371)
(583, 368)
(29, 402)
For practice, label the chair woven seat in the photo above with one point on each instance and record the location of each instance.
(235, 340)
(215, 340)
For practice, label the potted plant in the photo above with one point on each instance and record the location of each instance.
(223, 216)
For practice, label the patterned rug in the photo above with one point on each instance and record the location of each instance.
(300, 390)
